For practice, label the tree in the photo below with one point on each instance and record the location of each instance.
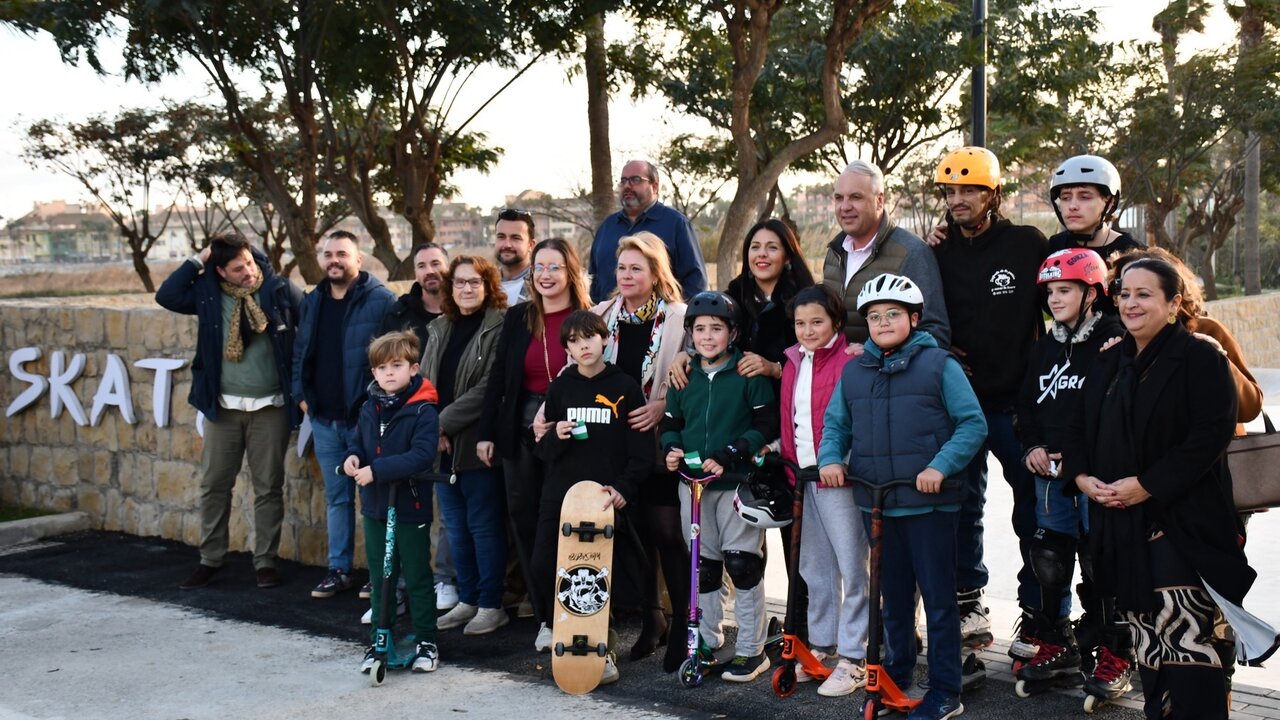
(122, 162)
(1254, 17)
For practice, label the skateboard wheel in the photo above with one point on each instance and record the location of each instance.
(559, 649)
(608, 532)
(1021, 689)
(602, 649)
(784, 681)
(1091, 704)
(566, 529)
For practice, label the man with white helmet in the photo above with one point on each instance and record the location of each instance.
(989, 268)
(1085, 193)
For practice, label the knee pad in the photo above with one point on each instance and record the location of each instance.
(710, 575)
(746, 570)
(1053, 557)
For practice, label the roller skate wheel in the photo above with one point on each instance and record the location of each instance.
(1091, 704)
(690, 673)
(378, 672)
(784, 680)
(1021, 689)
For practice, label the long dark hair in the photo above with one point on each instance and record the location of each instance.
(795, 273)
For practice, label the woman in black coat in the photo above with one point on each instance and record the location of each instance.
(1149, 448)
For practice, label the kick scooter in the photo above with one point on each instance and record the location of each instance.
(795, 654)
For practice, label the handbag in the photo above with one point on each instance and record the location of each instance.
(1254, 460)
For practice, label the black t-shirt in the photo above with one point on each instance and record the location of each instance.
(633, 345)
(327, 364)
(465, 328)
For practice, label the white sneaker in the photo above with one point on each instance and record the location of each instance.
(401, 608)
(446, 596)
(542, 643)
(460, 615)
(428, 658)
(486, 621)
(610, 674)
(848, 676)
(801, 675)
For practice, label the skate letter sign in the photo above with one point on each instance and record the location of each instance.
(113, 390)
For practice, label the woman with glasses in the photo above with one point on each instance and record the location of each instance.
(460, 350)
(645, 317)
(529, 355)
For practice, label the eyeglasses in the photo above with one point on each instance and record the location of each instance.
(888, 316)
(552, 269)
(462, 283)
(633, 180)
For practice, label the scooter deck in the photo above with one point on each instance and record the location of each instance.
(584, 583)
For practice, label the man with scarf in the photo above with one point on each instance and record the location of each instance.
(241, 383)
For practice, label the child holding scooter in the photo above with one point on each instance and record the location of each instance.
(833, 557)
(1075, 283)
(903, 409)
(722, 418)
(589, 439)
(396, 439)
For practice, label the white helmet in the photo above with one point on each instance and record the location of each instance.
(888, 287)
(1085, 170)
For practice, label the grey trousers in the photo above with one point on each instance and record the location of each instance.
(833, 562)
(721, 530)
(261, 437)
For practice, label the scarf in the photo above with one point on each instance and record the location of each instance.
(656, 310)
(247, 307)
(388, 404)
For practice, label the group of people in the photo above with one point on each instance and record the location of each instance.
(908, 359)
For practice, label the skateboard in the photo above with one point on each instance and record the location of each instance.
(584, 568)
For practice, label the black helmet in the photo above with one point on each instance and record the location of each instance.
(714, 304)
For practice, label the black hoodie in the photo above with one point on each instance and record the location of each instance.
(989, 283)
(613, 454)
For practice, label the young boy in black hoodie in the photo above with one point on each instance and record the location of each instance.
(1074, 282)
(589, 439)
(396, 439)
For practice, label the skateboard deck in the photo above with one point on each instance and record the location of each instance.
(584, 580)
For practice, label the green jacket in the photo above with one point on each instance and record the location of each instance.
(713, 412)
(460, 420)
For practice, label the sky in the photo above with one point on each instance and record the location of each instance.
(540, 121)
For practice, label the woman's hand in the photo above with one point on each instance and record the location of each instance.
(678, 375)
(540, 425)
(1096, 490)
(647, 416)
(1129, 492)
(752, 365)
(614, 498)
(484, 451)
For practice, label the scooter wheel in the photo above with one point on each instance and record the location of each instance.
(690, 673)
(378, 672)
(1021, 689)
(784, 681)
(871, 708)
(1091, 704)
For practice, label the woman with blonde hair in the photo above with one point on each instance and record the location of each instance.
(645, 317)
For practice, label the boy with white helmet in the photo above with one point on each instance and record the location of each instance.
(1085, 193)
(916, 417)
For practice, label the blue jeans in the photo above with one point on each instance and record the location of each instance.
(1068, 515)
(332, 440)
(971, 572)
(475, 521)
(919, 551)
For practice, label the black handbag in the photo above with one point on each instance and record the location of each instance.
(1254, 460)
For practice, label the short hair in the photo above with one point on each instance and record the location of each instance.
(413, 254)
(494, 295)
(823, 296)
(650, 169)
(227, 247)
(343, 235)
(582, 323)
(515, 214)
(862, 167)
(396, 345)
(655, 251)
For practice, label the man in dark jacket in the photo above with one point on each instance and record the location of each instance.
(330, 374)
(241, 383)
(989, 268)
(423, 303)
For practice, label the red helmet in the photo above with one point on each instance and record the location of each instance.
(1078, 264)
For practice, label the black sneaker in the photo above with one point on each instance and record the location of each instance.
(334, 582)
(937, 706)
(366, 591)
(745, 669)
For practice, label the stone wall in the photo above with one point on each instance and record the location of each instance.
(143, 479)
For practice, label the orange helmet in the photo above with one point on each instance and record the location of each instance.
(969, 166)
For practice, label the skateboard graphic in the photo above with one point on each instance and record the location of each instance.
(584, 567)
